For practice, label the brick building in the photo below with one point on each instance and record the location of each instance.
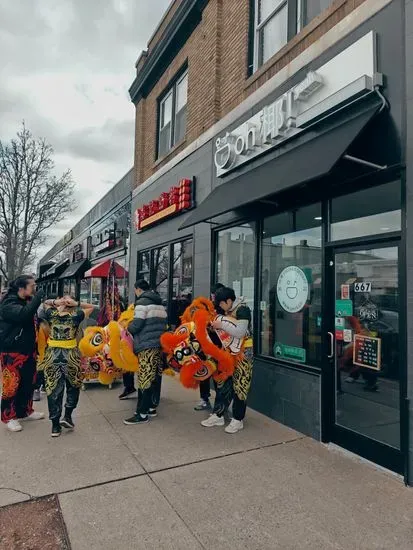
(271, 155)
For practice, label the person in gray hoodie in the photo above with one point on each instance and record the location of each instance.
(149, 323)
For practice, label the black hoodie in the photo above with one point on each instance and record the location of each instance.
(17, 323)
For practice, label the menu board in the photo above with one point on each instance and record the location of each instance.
(367, 352)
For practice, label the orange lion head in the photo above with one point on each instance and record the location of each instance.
(191, 349)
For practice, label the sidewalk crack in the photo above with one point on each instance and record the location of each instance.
(16, 491)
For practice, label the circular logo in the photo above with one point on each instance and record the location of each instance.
(292, 289)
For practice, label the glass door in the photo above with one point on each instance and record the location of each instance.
(363, 350)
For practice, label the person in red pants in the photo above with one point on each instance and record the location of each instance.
(18, 310)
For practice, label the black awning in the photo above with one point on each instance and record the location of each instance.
(74, 270)
(312, 160)
(56, 270)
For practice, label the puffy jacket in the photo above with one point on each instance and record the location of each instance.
(17, 323)
(149, 322)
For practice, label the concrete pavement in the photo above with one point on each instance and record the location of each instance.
(172, 484)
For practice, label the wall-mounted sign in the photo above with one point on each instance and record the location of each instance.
(362, 287)
(367, 352)
(68, 237)
(177, 200)
(349, 74)
(292, 289)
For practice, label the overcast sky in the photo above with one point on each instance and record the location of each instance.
(65, 68)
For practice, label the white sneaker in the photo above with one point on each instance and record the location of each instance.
(34, 416)
(14, 426)
(234, 426)
(213, 420)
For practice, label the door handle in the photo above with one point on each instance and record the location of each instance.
(331, 335)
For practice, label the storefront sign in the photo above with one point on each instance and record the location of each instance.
(292, 289)
(349, 74)
(344, 308)
(68, 237)
(177, 200)
(289, 352)
(367, 352)
(362, 287)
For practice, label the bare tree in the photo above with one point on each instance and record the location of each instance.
(32, 200)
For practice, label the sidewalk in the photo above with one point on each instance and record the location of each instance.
(175, 485)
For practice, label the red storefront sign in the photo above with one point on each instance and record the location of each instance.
(176, 201)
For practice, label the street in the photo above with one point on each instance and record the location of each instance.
(175, 485)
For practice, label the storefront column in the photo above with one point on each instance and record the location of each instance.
(409, 220)
(202, 260)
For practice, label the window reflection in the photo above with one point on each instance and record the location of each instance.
(373, 211)
(181, 280)
(291, 286)
(236, 260)
(160, 272)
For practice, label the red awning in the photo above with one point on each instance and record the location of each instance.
(101, 271)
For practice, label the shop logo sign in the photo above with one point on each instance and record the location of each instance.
(275, 123)
(292, 289)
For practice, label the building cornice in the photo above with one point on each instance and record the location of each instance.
(186, 18)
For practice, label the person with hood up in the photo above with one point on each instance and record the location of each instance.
(18, 309)
(149, 324)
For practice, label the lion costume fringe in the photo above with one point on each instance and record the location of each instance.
(195, 349)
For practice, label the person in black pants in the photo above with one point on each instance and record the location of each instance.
(205, 385)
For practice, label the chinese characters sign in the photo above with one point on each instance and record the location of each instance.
(177, 200)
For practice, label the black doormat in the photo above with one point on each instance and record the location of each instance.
(33, 525)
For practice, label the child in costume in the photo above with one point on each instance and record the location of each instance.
(234, 328)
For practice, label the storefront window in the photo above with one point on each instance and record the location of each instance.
(290, 301)
(373, 211)
(161, 272)
(123, 282)
(144, 265)
(236, 260)
(96, 285)
(85, 290)
(181, 279)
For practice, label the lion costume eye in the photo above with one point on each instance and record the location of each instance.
(97, 339)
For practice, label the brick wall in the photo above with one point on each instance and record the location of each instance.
(217, 56)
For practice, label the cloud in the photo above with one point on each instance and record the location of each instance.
(65, 69)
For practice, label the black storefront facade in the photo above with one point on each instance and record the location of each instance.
(300, 207)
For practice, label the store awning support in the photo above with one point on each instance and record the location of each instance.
(365, 162)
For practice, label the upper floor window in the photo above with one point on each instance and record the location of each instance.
(309, 9)
(172, 116)
(277, 21)
(271, 28)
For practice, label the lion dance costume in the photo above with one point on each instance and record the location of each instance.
(109, 349)
(209, 345)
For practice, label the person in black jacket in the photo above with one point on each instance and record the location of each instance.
(18, 310)
(146, 328)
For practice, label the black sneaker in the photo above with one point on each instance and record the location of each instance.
(56, 430)
(136, 419)
(127, 393)
(67, 423)
(152, 413)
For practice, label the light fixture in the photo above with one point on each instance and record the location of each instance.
(384, 228)
(318, 218)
